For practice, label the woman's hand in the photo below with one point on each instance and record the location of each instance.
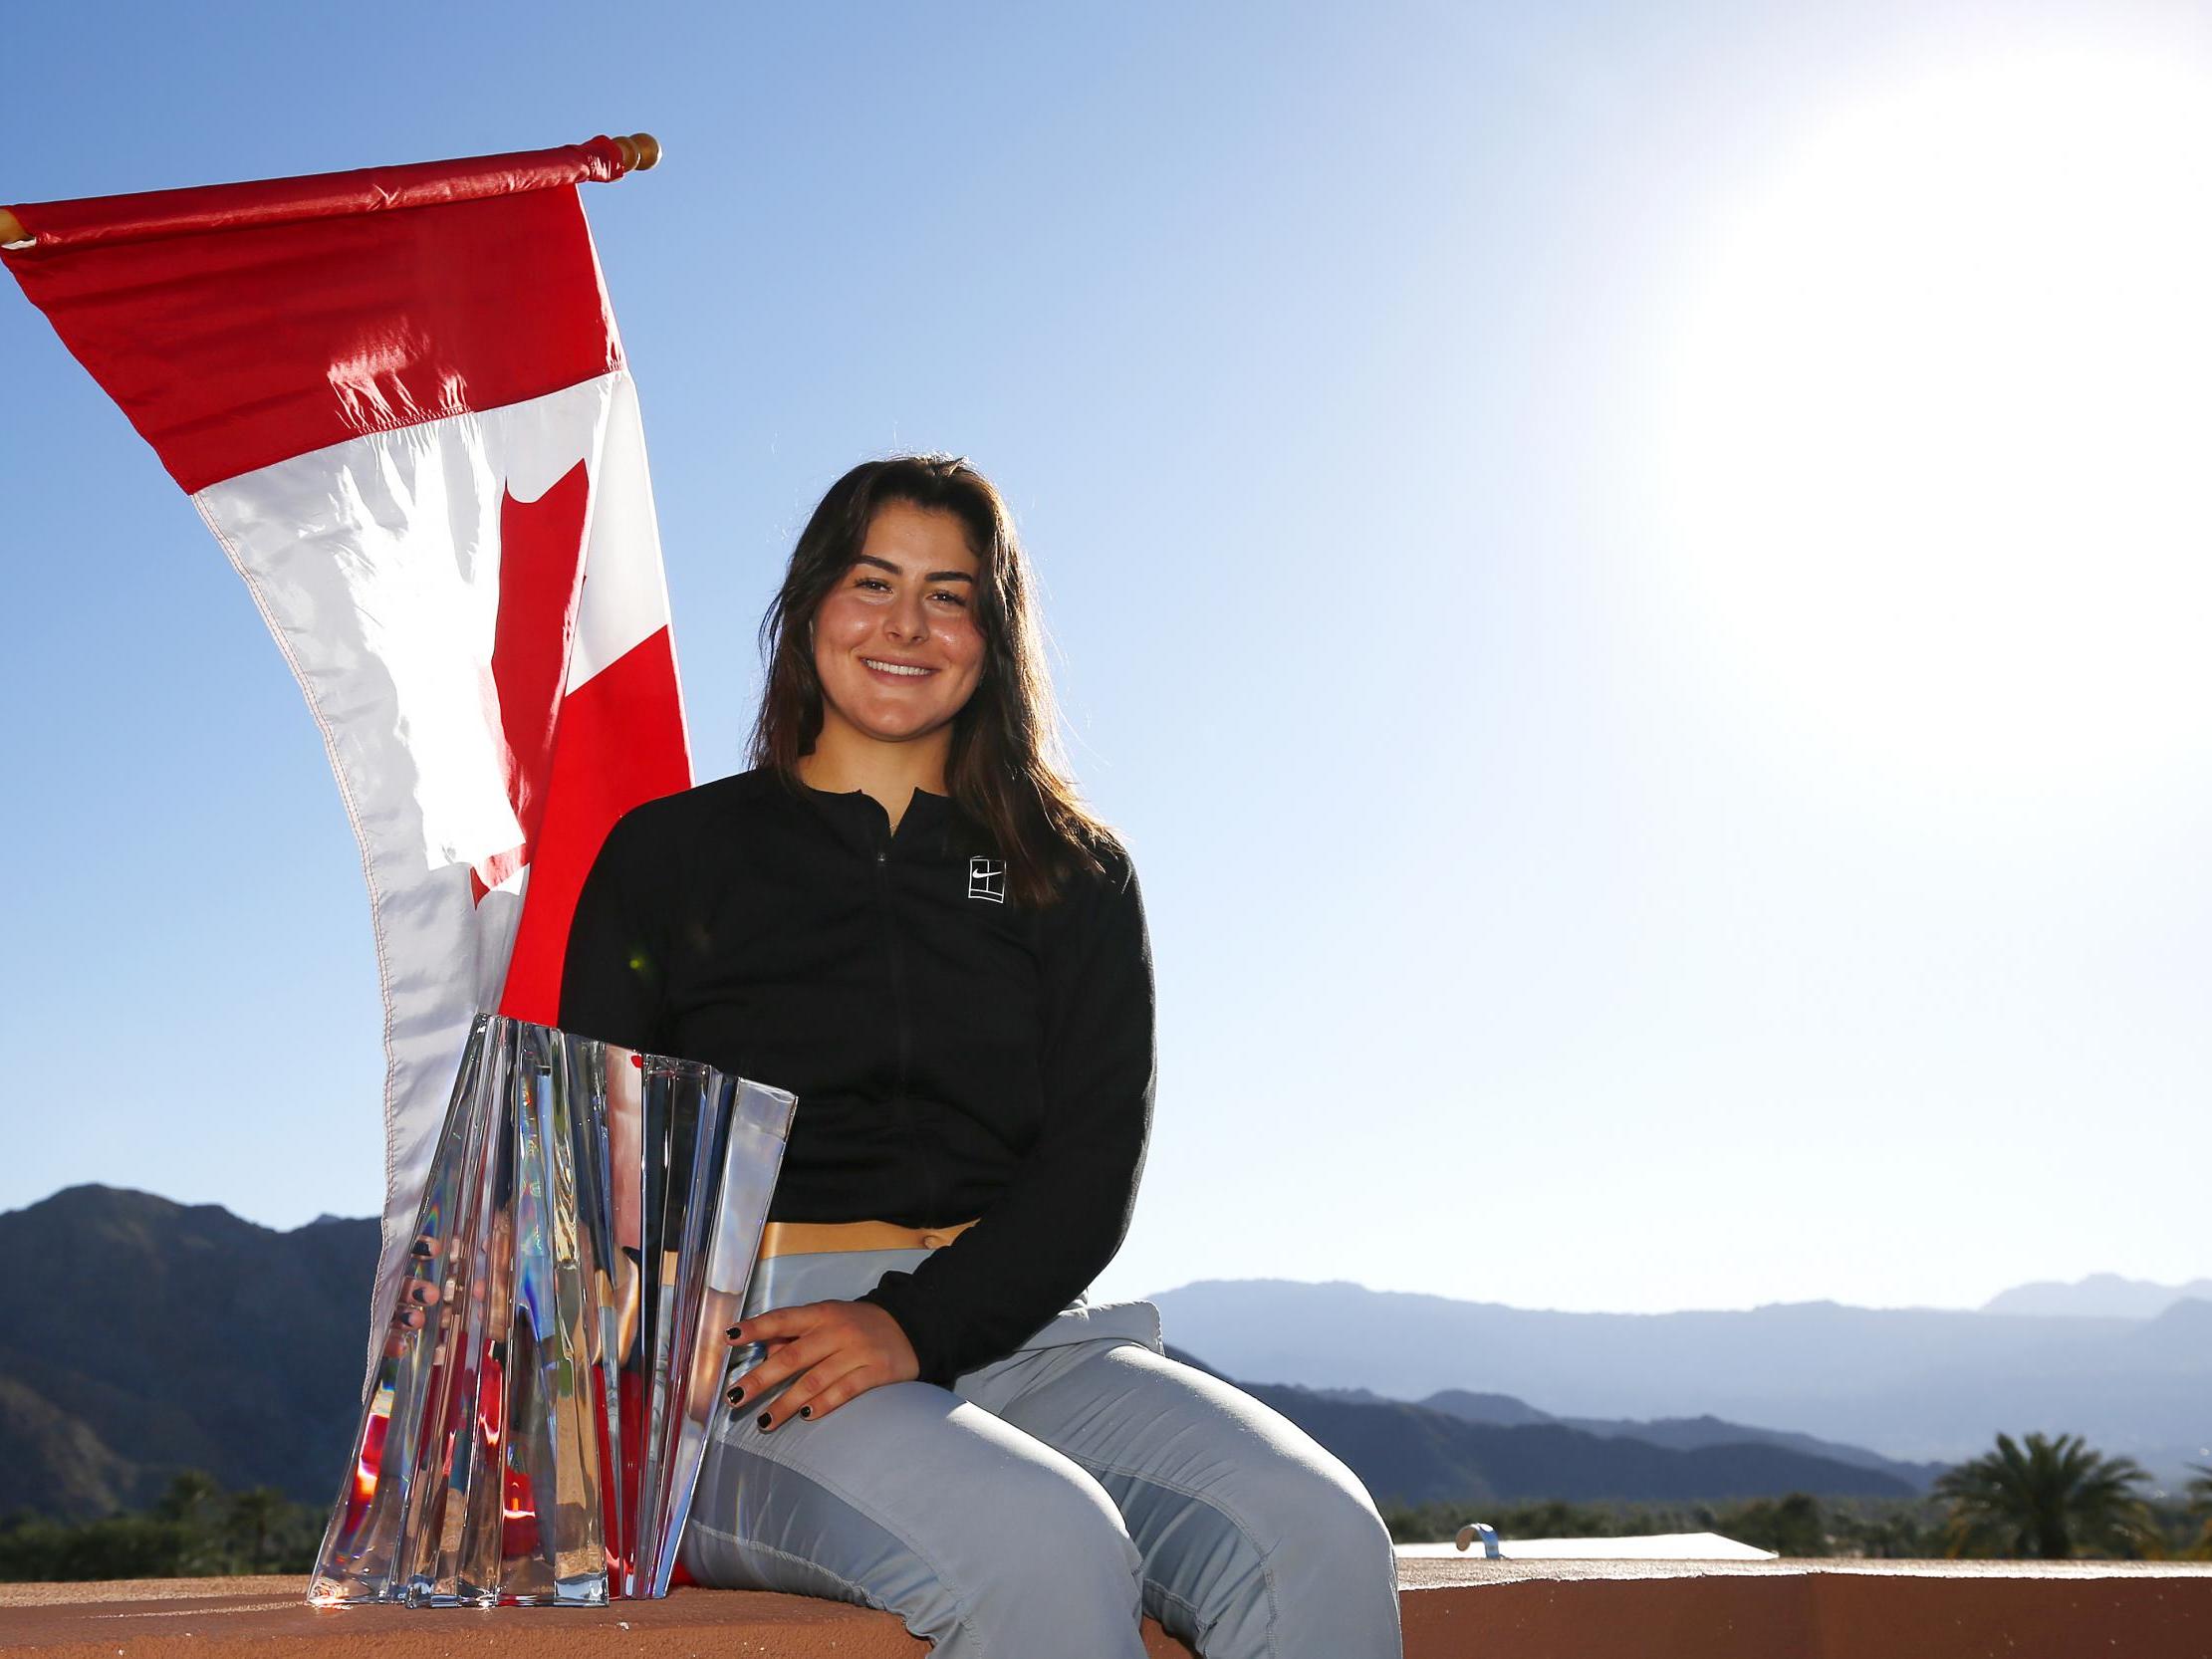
(421, 1293)
(835, 1350)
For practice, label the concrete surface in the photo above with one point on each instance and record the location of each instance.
(1510, 1609)
(1650, 1547)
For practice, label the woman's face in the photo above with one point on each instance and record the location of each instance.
(895, 642)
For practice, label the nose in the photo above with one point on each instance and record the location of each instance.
(906, 621)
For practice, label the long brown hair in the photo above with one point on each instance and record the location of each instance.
(1005, 770)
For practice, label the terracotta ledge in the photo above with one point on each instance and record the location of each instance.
(1824, 1609)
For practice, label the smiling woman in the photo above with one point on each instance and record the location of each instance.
(1934, 447)
(904, 915)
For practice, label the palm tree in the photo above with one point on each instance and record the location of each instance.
(2199, 1493)
(2054, 1498)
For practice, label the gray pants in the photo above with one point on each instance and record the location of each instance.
(1032, 1511)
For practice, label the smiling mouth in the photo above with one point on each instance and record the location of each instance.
(903, 670)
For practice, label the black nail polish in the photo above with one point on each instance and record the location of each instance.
(734, 1395)
(422, 1247)
(805, 1411)
(764, 1422)
(735, 1332)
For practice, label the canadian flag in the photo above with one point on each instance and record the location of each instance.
(398, 398)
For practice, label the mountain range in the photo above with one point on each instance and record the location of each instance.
(2101, 1296)
(139, 1336)
(1417, 1453)
(1915, 1384)
(153, 1336)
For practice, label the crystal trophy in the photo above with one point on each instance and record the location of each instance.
(536, 1420)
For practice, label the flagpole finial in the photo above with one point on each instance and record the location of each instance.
(639, 151)
(11, 231)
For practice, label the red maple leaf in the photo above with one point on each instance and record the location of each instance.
(541, 579)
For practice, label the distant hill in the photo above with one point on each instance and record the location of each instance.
(1913, 1384)
(2101, 1296)
(1692, 1433)
(2178, 1339)
(1415, 1453)
(1403, 1452)
(139, 1336)
(1501, 1410)
(1682, 1434)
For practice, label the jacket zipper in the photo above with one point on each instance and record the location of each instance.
(890, 951)
(905, 1034)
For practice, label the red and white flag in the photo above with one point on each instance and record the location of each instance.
(398, 399)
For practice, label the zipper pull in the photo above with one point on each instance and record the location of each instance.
(881, 856)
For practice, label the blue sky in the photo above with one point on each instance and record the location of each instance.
(1632, 574)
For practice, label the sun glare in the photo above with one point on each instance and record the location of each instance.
(1939, 427)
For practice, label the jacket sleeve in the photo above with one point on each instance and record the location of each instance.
(1063, 1217)
(612, 974)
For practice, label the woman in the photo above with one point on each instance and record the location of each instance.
(904, 915)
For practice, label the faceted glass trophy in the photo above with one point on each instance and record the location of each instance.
(536, 1422)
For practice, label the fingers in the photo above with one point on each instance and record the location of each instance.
(833, 1392)
(407, 1320)
(826, 1351)
(779, 1322)
(793, 1342)
(775, 1333)
(786, 1362)
(804, 1398)
(417, 1295)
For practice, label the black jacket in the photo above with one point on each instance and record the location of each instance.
(955, 1054)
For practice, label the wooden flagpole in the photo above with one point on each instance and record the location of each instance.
(639, 151)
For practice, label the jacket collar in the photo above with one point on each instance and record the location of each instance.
(860, 821)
